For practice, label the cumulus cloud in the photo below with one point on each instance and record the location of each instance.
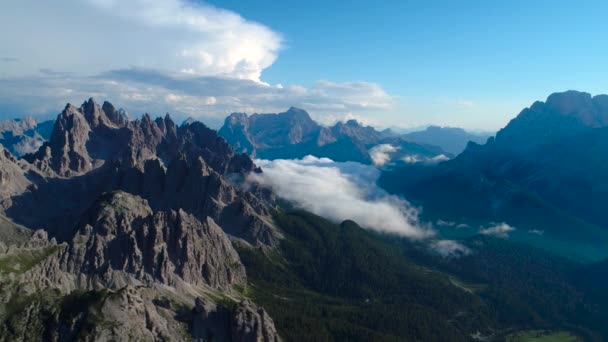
(381, 153)
(181, 56)
(500, 230)
(207, 98)
(341, 191)
(449, 248)
(95, 35)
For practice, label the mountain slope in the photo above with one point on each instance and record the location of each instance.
(293, 134)
(546, 170)
(145, 214)
(93, 150)
(340, 282)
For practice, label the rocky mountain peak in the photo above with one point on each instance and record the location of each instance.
(562, 114)
(236, 118)
(115, 116)
(353, 123)
(297, 114)
(353, 129)
(68, 142)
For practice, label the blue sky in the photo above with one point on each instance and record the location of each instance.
(473, 64)
(491, 57)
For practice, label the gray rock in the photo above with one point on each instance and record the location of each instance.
(122, 233)
(251, 323)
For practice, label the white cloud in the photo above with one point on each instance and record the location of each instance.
(536, 232)
(381, 153)
(500, 230)
(361, 95)
(91, 36)
(449, 248)
(341, 191)
(178, 56)
(411, 159)
(207, 98)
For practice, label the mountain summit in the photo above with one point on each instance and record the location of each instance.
(137, 221)
(547, 168)
(293, 134)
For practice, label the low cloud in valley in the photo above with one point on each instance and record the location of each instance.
(341, 191)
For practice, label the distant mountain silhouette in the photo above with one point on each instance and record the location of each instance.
(547, 169)
(294, 134)
(21, 136)
(451, 139)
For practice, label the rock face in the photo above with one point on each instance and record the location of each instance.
(121, 233)
(353, 129)
(293, 134)
(246, 322)
(251, 323)
(13, 178)
(94, 150)
(145, 213)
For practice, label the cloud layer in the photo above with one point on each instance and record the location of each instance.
(91, 36)
(341, 191)
(180, 56)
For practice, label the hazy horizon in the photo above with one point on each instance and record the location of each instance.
(391, 64)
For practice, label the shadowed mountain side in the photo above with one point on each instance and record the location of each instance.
(93, 150)
(547, 170)
(450, 139)
(293, 135)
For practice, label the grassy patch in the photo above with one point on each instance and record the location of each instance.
(24, 260)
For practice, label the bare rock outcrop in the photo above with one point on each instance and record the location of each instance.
(245, 322)
(251, 323)
(120, 233)
(94, 149)
(13, 179)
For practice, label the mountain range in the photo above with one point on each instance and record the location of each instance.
(294, 134)
(135, 222)
(545, 171)
(121, 230)
(451, 139)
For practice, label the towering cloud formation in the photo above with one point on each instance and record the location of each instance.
(341, 191)
(181, 56)
(96, 35)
